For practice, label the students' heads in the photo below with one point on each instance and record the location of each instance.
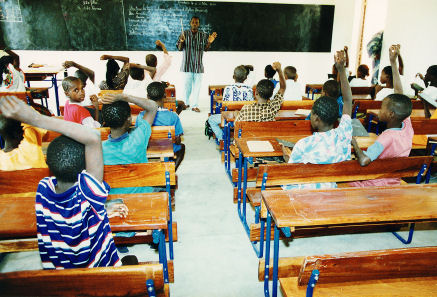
(137, 73)
(117, 114)
(324, 112)
(431, 76)
(269, 72)
(112, 69)
(362, 71)
(10, 129)
(156, 91)
(331, 88)
(386, 75)
(151, 60)
(395, 107)
(73, 89)
(66, 158)
(241, 72)
(264, 89)
(194, 24)
(82, 76)
(290, 72)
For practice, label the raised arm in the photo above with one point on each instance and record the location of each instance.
(119, 58)
(340, 60)
(12, 107)
(181, 41)
(394, 52)
(401, 65)
(282, 85)
(15, 57)
(150, 107)
(210, 40)
(347, 57)
(148, 68)
(162, 46)
(87, 71)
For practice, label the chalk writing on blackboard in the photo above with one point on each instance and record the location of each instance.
(91, 5)
(10, 11)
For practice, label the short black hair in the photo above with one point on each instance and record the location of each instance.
(67, 82)
(265, 88)
(364, 69)
(290, 72)
(112, 69)
(155, 91)
(432, 70)
(387, 70)
(10, 128)
(116, 114)
(81, 75)
(331, 88)
(194, 17)
(269, 71)
(66, 158)
(137, 73)
(326, 108)
(400, 105)
(151, 60)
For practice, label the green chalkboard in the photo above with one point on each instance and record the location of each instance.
(135, 24)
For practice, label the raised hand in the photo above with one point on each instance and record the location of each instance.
(212, 37)
(14, 108)
(68, 64)
(276, 66)
(111, 98)
(95, 101)
(394, 52)
(340, 60)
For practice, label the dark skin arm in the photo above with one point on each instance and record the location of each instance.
(340, 60)
(401, 65)
(16, 58)
(282, 85)
(87, 71)
(426, 106)
(361, 157)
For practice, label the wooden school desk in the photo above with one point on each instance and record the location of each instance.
(246, 156)
(300, 209)
(146, 212)
(40, 74)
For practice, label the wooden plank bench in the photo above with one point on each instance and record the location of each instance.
(102, 281)
(299, 209)
(361, 106)
(394, 272)
(276, 175)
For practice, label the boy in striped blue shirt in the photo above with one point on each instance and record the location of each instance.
(72, 223)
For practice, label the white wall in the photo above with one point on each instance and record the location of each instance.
(412, 25)
(219, 66)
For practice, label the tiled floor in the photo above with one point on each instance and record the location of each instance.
(213, 256)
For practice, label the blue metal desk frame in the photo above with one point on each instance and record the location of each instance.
(54, 85)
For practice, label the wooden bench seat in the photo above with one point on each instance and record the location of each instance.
(102, 281)
(395, 272)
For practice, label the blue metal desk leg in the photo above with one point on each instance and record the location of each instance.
(243, 192)
(428, 174)
(159, 237)
(150, 288)
(410, 235)
(239, 183)
(275, 262)
(267, 256)
(55, 85)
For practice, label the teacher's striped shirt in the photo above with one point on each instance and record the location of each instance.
(73, 227)
(193, 48)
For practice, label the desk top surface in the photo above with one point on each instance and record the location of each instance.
(43, 70)
(146, 211)
(364, 142)
(347, 206)
(231, 115)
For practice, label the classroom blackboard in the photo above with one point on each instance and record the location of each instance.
(135, 24)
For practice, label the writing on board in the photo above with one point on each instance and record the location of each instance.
(91, 5)
(10, 11)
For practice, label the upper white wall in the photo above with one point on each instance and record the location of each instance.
(411, 24)
(219, 66)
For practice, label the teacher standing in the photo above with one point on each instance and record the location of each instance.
(193, 42)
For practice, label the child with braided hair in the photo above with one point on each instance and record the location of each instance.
(327, 145)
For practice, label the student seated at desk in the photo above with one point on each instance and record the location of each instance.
(22, 145)
(165, 117)
(115, 79)
(84, 74)
(126, 145)
(239, 91)
(360, 80)
(12, 77)
(396, 140)
(265, 109)
(72, 223)
(331, 88)
(327, 145)
(293, 90)
(73, 110)
(429, 94)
